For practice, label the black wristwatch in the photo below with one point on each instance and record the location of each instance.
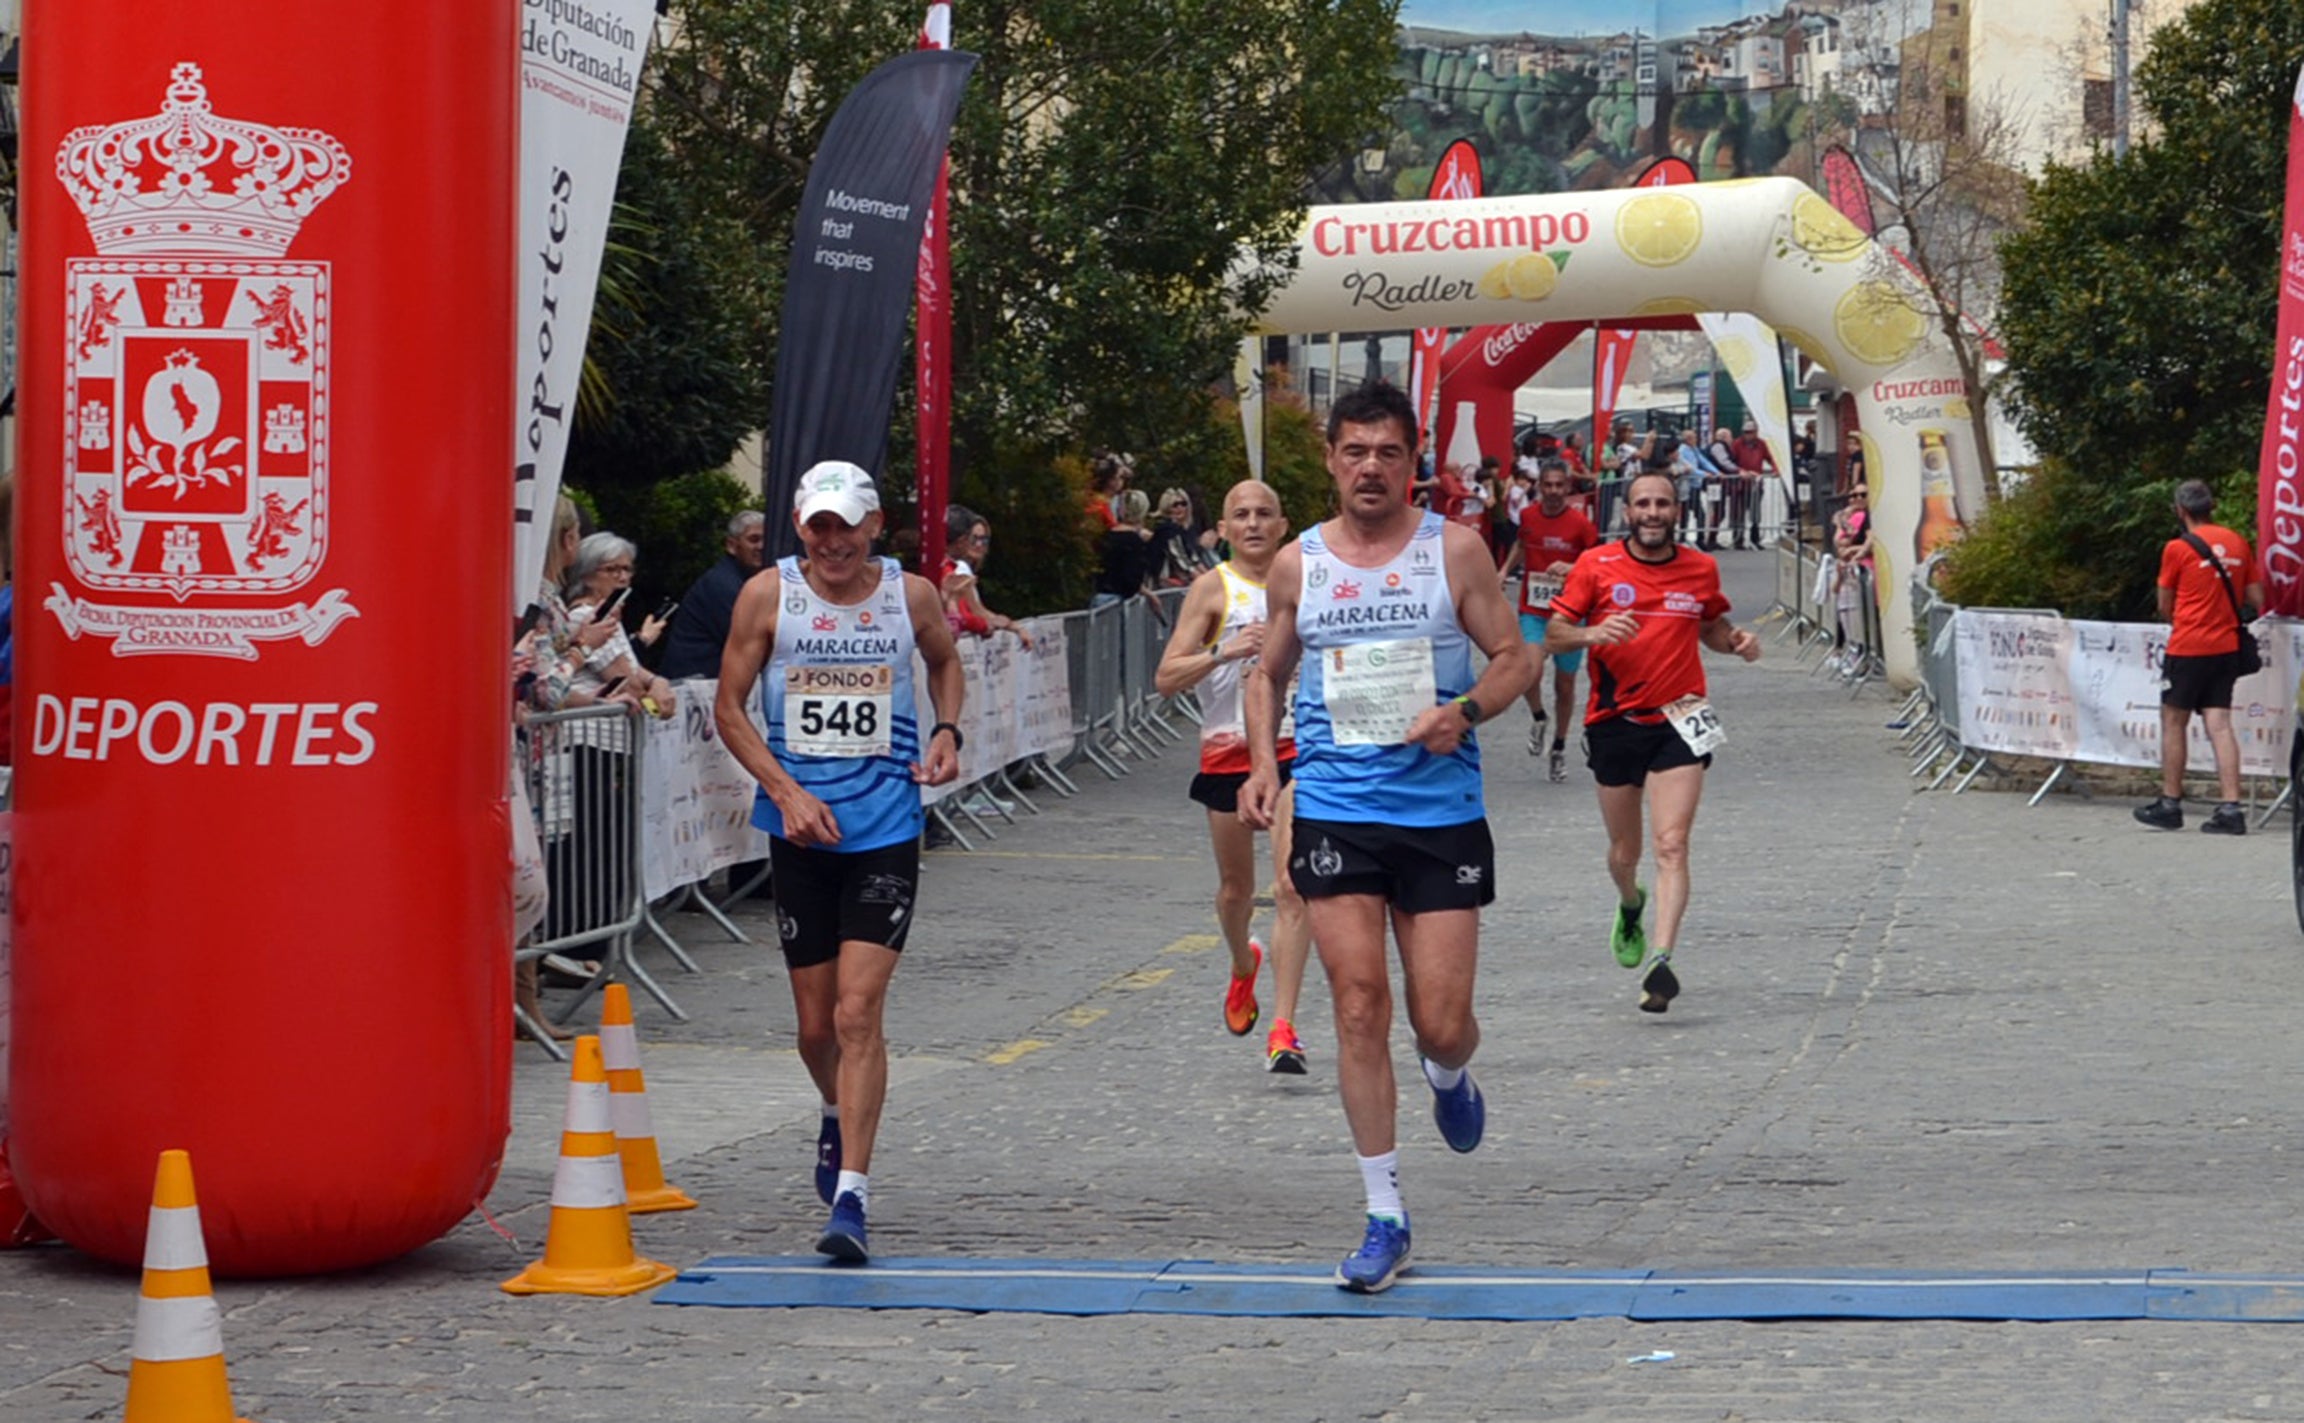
(1471, 709)
(959, 742)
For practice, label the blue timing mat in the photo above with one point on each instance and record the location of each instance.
(1084, 1287)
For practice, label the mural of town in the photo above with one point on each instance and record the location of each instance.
(1572, 94)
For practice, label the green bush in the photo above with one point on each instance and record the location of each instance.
(679, 527)
(2057, 543)
(1035, 499)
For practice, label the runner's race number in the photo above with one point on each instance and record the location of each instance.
(838, 711)
(1697, 723)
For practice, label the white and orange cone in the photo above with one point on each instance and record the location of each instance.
(644, 1187)
(176, 1368)
(588, 1247)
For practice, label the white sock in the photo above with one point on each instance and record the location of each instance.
(854, 1181)
(1443, 1079)
(1380, 1176)
(831, 1112)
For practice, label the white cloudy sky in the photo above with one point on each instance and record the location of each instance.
(1574, 17)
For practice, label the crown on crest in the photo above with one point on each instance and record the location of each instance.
(185, 180)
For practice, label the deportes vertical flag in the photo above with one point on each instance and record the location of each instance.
(575, 106)
(855, 268)
(932, 346)
(2280, 466)
(1456, 178)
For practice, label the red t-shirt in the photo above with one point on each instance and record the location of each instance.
(1546, 539)
(2201, 624)
(1672, 601)
(1751, 454)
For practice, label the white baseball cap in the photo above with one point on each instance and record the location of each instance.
(839, 486)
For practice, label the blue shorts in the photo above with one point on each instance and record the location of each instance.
(1567, 664)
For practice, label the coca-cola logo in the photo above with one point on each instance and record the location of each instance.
(1503, 343)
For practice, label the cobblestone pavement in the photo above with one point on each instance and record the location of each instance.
(1919, 1031)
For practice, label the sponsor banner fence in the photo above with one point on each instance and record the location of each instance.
(696, 800)
(2033, 684)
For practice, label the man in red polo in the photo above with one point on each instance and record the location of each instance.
(2204, 571)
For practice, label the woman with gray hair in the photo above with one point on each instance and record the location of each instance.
(602, 565)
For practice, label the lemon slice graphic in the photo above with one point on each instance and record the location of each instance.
(1659, 229)
(1824, 232)
(1878, 323)
(1496, 282)
(1532, 276)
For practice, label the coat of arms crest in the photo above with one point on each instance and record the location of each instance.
(196, 380)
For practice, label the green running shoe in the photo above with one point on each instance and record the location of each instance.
(1627, 940)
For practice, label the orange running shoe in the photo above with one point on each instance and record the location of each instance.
(1283, 1052)
(1240, 1011)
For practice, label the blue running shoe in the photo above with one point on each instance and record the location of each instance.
(843, 1237)
(1462, 1114)
(827, 1159)
(1379, 1260)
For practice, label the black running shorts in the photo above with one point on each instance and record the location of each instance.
(1413, 868)
(1220, 790)
(1622, 753)
(2199, 683)
(825, 898)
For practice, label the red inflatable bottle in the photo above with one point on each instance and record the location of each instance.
(263, 527)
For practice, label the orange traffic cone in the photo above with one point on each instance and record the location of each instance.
(176, 1368)
(644, 1188)
(588, 1248)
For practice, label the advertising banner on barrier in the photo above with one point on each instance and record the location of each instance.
(2280, 465)
(2033, 684)
(2014, 693)
(579, 69)
(695, 798)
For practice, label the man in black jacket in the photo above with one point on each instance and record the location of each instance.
(692, 644)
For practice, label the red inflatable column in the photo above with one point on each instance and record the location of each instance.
(263, 523)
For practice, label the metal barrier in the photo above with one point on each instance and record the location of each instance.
(583, 784)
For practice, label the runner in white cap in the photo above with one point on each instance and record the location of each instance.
(840, 773)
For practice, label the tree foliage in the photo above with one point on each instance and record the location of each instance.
(2138, 305)
(1111, 165)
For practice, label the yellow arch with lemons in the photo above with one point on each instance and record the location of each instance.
(1769, 246)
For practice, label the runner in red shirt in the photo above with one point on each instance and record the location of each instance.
(1643, 606)
(1553, 533)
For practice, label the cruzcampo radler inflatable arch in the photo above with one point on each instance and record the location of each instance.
(1769, 246)
(262, 532)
